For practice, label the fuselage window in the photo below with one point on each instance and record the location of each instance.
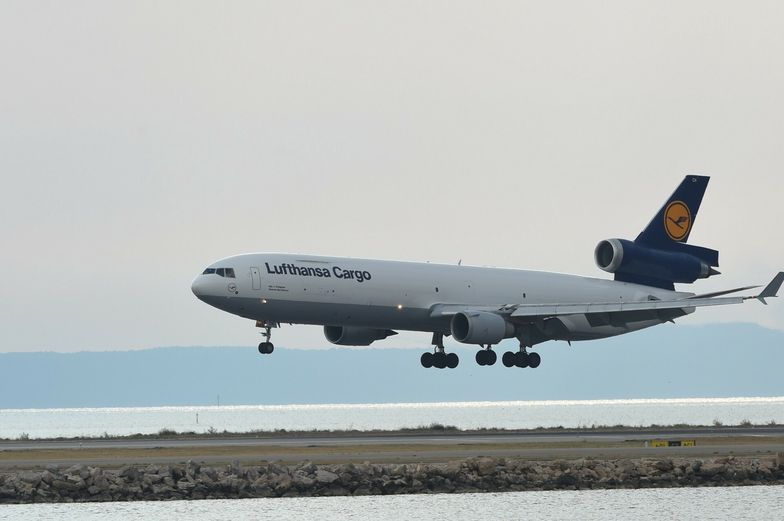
(230, 273)
(220, 271)
(209, 271)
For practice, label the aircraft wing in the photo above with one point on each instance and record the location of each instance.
(551, 310)
(533, 311)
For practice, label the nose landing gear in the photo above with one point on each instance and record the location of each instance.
(266, 347)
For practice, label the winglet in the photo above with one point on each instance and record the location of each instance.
(772, 288)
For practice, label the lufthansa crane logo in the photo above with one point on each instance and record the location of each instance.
(677, 220)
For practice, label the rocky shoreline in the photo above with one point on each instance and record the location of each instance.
(191, 480)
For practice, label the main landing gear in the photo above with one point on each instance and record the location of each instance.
(522, 358)
(266, 347)
(438, 358)
(486, 355)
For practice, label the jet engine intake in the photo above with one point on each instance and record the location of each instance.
(624, 257)
(480, 327)
(355, 336)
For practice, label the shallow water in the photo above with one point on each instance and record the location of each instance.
(736, 503)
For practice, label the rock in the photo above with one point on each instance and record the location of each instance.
(710, 470)
(307, 467)
(32, 478)
(485, 466)
(192, 468)
(64, 485)
(186, 486)
(209, 473)
(47, 477)
(453, 468)
(78, 470)
(282, 483)
(303, 481)
(325, 476)
(362, 490)
(128, 472)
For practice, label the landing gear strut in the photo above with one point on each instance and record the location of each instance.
(266, 347)
(439, 358)
(486, 355)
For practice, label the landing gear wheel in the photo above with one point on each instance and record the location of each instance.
(491, 357)
(534, 360)
(452, 360)
(266, 348)
(486, 357)
(426, 360)
(521, 359)
(508, 359)
(439, 360)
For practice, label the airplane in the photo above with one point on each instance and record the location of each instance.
(360, 301)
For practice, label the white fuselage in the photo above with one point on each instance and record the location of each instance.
(335, 291)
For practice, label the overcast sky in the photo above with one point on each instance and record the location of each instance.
(141, 141)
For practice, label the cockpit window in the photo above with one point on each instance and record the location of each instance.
(223, 272)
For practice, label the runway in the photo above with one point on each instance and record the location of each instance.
(394, 447)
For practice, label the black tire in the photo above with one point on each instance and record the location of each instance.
(426, 360)
(270, 348)
(480, 357)
(534, 360)
(452, 360)
(521, 359)
(490, 357)
(263, 348)
(439, 360)
(508, 359)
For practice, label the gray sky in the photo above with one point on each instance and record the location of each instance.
(140, 141)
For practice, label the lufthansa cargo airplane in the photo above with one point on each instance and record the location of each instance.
(359, 301)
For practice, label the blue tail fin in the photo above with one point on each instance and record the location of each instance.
(672, 225)
(659, 256)
(676, 218)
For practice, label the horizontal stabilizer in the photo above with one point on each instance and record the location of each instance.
(771, 289)
(723, 292)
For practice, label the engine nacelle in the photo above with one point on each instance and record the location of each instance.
(624, 257)
(355, 336)
(480, 327)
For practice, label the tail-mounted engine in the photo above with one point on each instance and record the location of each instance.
(632, 262)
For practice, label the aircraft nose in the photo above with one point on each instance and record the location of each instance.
(198, 286)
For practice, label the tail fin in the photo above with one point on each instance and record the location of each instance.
(674, 221)
(672, 225)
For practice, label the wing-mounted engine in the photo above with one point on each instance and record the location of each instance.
(355, 336)
(480, 327)
(642, 264)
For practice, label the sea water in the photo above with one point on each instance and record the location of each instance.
(53, 423)
(735, 503)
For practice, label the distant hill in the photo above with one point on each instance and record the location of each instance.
(666, 361)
